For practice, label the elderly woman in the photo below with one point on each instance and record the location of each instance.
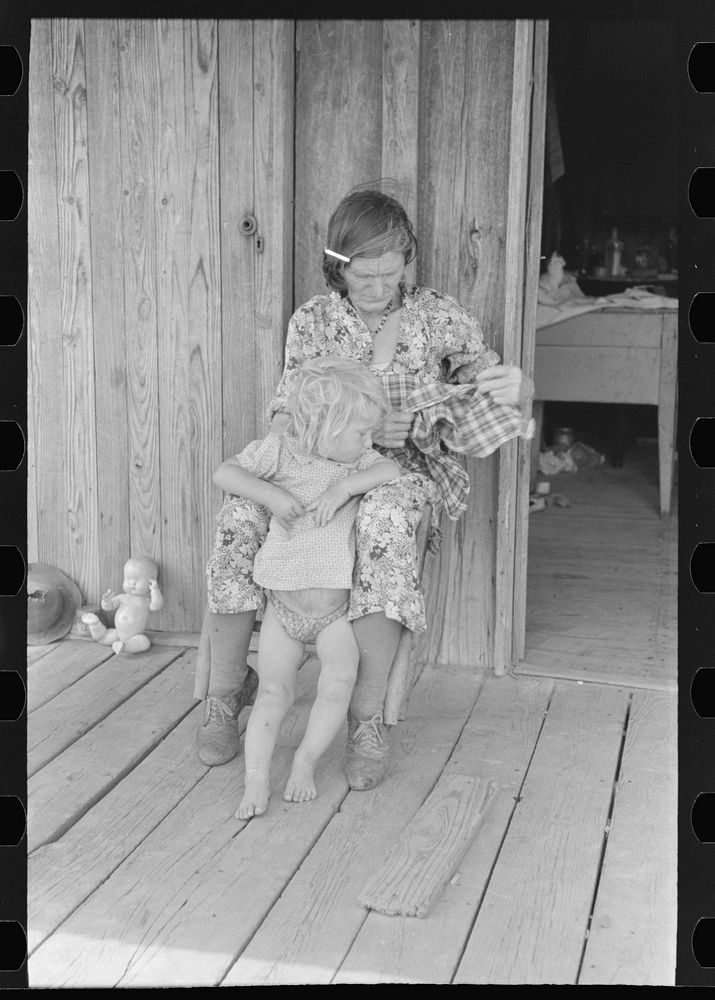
(409, 336)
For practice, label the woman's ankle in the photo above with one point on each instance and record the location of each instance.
(223, 652)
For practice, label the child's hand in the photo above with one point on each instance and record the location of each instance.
(328, 503)
(107, 600)
(286, 508)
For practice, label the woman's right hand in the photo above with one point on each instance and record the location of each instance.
(393, 431)
(285, 507)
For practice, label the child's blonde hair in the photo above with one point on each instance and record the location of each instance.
(329, 395)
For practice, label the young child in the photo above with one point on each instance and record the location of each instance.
(311, 478)
(141, 595)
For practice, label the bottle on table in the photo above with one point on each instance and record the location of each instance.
(614, 255)
(671, 251)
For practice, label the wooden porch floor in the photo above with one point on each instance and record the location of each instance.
(139, 874)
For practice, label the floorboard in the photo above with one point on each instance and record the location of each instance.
(62, 791)
(161, 918)
(76, 710)
(602, 580)
(633, 932)
(497, 743)
(62, 664)
(63, 874)
(532, 924)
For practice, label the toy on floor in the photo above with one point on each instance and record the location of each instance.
(141, 595)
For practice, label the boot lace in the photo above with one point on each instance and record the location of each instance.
(367, 735)
(216, 711)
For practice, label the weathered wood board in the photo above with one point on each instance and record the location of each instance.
(63, 790)
(497, 742)
(542, 886)
(59, 665)
(633, 930)
(76, 710)
(424, 856)
(159, 919)
(62, 875)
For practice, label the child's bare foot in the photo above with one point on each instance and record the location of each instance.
(300, 786)
(255, 797)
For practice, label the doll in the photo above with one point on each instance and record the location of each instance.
(141, 595)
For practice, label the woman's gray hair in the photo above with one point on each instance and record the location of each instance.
(366, 223)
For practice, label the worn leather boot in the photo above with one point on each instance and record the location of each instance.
(218, 737)
(368, 752)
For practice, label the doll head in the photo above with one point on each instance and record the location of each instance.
(138, 571)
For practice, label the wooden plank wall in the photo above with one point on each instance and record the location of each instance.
(464, 253)
(338, 136)
(176, 130)
(155, 328)
(256, 135)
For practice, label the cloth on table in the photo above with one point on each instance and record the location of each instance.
(567, 300)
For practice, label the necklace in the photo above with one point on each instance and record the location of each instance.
(383, 319)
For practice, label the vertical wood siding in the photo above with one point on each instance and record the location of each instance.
(256, 157)
(157, 322)
(155, 330)
(108, 301)
(463, 214)
(45, 395)
(338, 136)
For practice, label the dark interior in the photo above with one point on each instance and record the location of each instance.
(613, 86)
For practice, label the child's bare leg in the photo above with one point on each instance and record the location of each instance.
(338, 652)
(279, 656)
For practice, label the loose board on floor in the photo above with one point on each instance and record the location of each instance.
(422, 860)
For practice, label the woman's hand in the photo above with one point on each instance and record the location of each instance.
(285, 507)
(506, 384)
(326, 505)
(393, 431)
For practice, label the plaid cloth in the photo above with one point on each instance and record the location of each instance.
(450, 418)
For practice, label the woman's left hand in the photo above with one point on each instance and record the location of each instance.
(506, 384)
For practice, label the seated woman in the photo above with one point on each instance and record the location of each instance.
(410, 336)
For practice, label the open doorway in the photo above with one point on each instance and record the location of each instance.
(602, 558)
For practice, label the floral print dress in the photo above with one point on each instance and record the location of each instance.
(438, 341)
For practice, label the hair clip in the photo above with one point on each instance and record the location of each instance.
(340, 256)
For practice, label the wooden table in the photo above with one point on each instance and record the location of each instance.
(613, 356)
